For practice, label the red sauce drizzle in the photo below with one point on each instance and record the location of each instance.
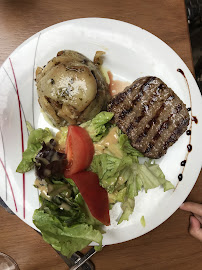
(116, 86)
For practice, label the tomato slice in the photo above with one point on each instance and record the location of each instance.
(79, 150)
(94, 195)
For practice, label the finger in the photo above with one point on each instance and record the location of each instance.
(199, 218)
(195, 228)
(195, 208)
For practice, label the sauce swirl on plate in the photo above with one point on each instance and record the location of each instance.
(116, 86)
(189, 131)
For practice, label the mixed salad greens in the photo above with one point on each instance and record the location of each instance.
(70, 216)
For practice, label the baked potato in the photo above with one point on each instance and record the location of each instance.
(71, 88)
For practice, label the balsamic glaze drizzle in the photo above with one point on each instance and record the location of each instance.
(181, 71)
(194, 119)
(183, 163)
(189, 147)
(180, 176)
(188, 132)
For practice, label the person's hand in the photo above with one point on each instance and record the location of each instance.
(195, 220)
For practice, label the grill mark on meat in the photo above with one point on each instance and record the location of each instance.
(123, 113)
(154, 119)
(162, 128)
(150, 123)
(161, 86)
(129, 128)
(150, 102)
(120, 98)
(151, 145)
(143, 88)
(145, 109)
(150, 114)
(170, 98)
(166, 123)
(174, 136)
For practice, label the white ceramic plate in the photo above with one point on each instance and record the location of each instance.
(131, 52)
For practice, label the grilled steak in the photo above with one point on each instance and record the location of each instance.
(151, 114)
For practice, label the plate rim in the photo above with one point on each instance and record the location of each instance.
(129, 25)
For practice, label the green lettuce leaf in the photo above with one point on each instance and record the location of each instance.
(127, 148)
(124, 178)
(142, 221)
(98, 126)
(168, 185)
(66, 203)
(66, 239)
(127, 207)
(117, 196)
(29, 127)
(146, 176)
(108, 169)
(151, 176)
(67, 211)
(34, 145)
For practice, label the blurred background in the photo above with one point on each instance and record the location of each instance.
(194, 17)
